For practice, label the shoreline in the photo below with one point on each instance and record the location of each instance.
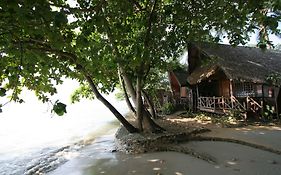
(51, 161)
(159, 154)
(179, 130)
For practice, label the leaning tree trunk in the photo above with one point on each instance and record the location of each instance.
(150, 104)
(153, 127)
(129, 104)
(124, 122)
(139, 104)
(128, 84)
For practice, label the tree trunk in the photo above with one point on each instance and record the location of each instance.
(146, 115)
(150, 104)
(124, 75)
(128, 102)
(153, 127)
(140, 106)
(124, 122)
(143, 115)
(128, 84)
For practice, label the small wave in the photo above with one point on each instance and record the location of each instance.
(54, 159)
(50, 161)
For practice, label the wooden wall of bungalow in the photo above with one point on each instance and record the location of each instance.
(180, 90)
(220, 94)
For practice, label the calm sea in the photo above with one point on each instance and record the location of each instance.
(31, 137)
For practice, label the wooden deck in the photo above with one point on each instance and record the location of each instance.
(216, 111)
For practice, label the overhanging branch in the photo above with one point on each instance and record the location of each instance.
(149, 24)
(137, 4)
(78, 9)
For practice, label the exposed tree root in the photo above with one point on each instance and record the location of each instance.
(171, 141)
(219, 139)
(186, 150)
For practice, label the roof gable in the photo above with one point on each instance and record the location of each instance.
(181, 77)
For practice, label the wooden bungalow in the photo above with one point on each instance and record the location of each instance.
(179, 86)
(161, 97)
(225, 78)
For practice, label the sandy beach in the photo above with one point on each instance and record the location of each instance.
(229, 158)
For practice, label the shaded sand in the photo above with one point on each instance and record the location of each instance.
(230, 158)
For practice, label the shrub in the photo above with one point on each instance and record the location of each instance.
(268, 113)
(168, 108)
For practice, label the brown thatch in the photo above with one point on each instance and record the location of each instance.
(238, 63)
(181, 76)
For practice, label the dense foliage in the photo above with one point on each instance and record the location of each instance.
(42, 42)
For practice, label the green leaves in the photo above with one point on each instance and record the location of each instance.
(39, 47)
(2, 92)
(60, 19)
(59, 108)
(84, 91)
(271, 22)
(274, 79)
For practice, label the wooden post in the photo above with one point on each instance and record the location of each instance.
(222, 103)
(194, 99)
(278, 103)
(231, 93)
(197, 92)
(247, 102)
(263, 105)
(214, 98)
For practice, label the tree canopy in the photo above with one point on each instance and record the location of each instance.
(40, 45)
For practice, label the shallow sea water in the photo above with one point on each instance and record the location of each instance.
(33, 140)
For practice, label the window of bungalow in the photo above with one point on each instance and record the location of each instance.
(259, 90)
(268, 91)
(244, 89)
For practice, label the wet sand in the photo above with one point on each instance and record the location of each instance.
(230, 158)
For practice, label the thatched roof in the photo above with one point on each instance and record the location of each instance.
(238, 63)
(181, 76)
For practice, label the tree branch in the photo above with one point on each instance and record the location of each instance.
(137, 4)
(34, 44)
(146, 41)
(120, 68)
(76, 9)
(149, 24)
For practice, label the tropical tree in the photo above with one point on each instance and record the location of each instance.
(39, 48)
(108, 40)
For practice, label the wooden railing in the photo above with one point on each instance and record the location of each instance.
(253, 105)
(207, 103)
(237, 105)
(220, 104)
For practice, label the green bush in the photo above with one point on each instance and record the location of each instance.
(268, 113)
(235, 115)
(168, 108)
